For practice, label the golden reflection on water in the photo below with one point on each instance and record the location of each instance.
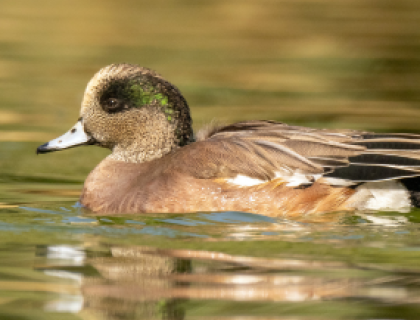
(244, 265)
(349, 64)
(150, 282)
(16, 136)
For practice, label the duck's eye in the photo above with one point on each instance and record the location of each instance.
(112, 105)
(112, 102)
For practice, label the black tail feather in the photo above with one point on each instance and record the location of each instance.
(357, 173)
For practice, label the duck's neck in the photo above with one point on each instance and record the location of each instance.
(156, 137)
(140, 154)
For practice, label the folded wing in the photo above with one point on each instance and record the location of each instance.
(266, 149)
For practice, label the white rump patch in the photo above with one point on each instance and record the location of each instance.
(384, 195)
(244, 181)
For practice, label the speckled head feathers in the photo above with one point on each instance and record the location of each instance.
(135, 112)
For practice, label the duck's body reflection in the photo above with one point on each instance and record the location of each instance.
(147, 283)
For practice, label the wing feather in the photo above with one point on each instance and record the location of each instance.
(262, 149)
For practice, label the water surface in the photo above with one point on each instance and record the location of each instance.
(348, 64)
(60, 262)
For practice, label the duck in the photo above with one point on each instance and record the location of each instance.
(158, 165)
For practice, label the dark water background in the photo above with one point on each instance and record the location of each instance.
(338, 64)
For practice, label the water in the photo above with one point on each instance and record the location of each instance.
(58, 262)
(349, 64)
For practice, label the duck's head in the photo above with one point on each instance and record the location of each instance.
(131, 110)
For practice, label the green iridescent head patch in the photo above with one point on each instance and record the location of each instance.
(135, 93)
(142, 95)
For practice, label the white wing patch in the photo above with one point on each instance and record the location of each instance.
(293, 180)
(244, 181)
(384, 195)
(338, 182)
(297, 178)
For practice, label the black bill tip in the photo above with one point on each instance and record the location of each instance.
(43, 149)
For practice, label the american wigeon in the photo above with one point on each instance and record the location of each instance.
(266, 167)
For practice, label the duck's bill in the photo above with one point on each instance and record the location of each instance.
(76, 136)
